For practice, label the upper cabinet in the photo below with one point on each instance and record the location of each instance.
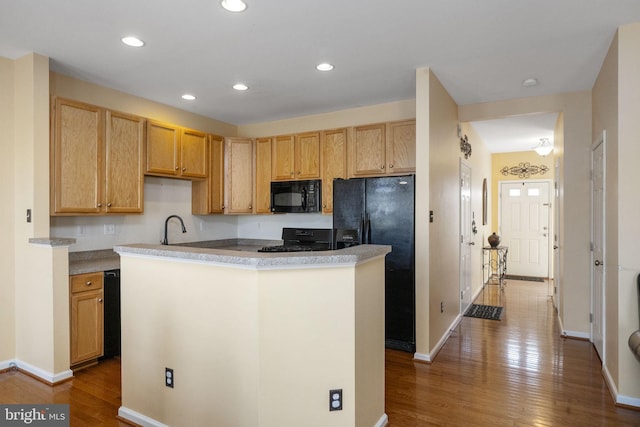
(238, 178)
(334, 163)
(401, 147)
(296, 157)
(176, 152)
(263, 176)
(383, 149)
(207, 196)
(96, 160)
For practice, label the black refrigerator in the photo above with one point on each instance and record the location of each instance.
(382, 210)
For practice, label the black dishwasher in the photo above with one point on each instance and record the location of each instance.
(111, 314)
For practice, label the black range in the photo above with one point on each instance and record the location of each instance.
(303, 239)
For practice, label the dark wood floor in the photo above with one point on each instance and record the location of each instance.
(514, 372)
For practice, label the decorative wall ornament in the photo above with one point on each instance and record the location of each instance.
(524, 170)
(465, 146)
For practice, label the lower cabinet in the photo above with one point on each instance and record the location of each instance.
(87, 317)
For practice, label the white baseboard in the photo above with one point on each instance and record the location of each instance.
(618, 398)
(383, 421)
(575, 334)
(46, 376)
(434, 352)
(138, 418)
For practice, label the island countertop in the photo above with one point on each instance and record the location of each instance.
(242, 256)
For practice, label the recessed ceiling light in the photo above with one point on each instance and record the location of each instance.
(233, 5)
(240, 86)
(530, 82)
(325, 66)
(132, 41)
(188, 97)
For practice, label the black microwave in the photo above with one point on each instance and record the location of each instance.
(296, 196)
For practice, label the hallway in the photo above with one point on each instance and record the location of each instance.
(517, 371)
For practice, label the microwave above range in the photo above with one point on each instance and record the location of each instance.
(296, 196)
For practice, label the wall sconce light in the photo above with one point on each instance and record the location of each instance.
(545, 147)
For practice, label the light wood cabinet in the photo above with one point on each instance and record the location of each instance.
(263, 176)
(176, 152)
(238, 179)
(86, 317)
(296, 157)
(207, 197)
(334, 163)
(401, 147)
(96, 160)
(382, 149)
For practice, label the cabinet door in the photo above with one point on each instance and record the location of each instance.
(334, 163)
(163, 142)
(207, 197)
(123, 163)
(367, 151)
(307, 155)
(238, 175)
(401, 147)
(283, 161)
(86, 317)
(263, 175)
(77, 149)
(193, 154)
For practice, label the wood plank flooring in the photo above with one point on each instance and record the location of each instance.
(517, 371)
(514, 372)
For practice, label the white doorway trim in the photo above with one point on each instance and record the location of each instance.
(598, 245)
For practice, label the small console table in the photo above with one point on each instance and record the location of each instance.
(494, 265)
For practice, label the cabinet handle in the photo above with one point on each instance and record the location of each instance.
(99, 205)
(108, 205)
(88, 283)
(291, 173)
(177, 168)
(184, 169)
(99, 299)
(222, 206)
(298, 172)
(382, 167)
(391, 166)
(250, 207)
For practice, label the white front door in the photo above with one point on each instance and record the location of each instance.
(598, 252)
(466, 237)
(524, 226)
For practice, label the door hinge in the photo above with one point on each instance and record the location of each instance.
(590, 317)
(461, 294)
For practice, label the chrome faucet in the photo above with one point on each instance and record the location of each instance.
(165, 241)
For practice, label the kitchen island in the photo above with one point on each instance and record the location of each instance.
(253, 339)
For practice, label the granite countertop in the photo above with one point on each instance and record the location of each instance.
(245, 255)
(93, 261)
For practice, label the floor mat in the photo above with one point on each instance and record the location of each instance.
(490, 312)
(528, 278)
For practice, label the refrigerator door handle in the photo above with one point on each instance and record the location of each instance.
(366, 230)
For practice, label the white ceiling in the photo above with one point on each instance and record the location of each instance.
(516, 133)
(480, 50)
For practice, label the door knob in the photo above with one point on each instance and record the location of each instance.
(598, 262)
(472, 243)
(555, 246)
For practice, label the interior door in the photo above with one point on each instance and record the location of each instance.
(466, 238)
(598, 249)
(524, 226)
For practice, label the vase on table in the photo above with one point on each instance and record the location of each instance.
(494, 240)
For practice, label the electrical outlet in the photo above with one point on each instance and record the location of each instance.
(335, 400)
(109, 229)
(168, 377)
(441, 306)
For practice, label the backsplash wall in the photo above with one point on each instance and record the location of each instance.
(164, 197)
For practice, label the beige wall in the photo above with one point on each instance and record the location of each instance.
(399, 110)
(629, 199)
(252, 347)
(573, 156)
(7, 213)
(616, 108)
